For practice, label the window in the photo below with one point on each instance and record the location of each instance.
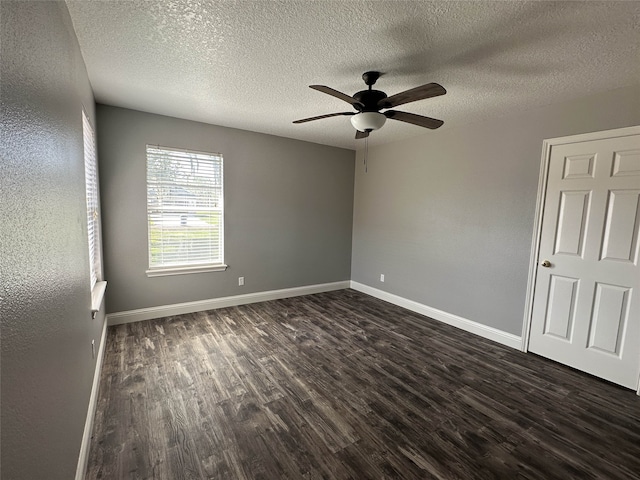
(184, 211)
(93, 200)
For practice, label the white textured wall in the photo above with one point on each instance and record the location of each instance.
(47, 366)
(448, 216)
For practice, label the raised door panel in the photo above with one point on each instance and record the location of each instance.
(561, 307)
(622, 224)
(572, 222)
(609, 318)
(626, 163)
(579, 166)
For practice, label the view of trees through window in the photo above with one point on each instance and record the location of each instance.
(184, 207)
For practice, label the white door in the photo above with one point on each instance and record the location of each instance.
(586, 304)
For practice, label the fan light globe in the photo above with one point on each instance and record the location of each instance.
(367, 121)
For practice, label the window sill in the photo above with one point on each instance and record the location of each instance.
(161, 272)
(97, 296)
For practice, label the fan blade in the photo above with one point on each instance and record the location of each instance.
(337, 94)
(323, 116)
(419, 120)
(419, 93)
(360, 134)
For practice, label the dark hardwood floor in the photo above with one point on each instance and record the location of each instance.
(341, 385)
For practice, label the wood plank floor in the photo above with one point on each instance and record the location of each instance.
(341, 385)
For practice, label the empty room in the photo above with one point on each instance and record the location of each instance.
(357, 239)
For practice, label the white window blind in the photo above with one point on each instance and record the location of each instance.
(184, 208)
(93, 199)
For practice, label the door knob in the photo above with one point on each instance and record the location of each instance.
(546, 263)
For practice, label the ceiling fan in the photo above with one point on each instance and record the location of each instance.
(368, 104)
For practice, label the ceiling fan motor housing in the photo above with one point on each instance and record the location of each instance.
(370, 99)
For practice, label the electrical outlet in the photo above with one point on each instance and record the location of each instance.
(382, 277)
(93, 349)
(240, 281)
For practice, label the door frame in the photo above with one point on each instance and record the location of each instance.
(547, 146)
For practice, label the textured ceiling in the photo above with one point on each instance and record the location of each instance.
(248, 64)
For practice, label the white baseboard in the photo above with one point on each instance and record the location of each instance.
(91, 412)
(504, 338)
(508, 339)
(138, 315)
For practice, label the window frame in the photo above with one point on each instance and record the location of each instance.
(184, 268)
(92, 199)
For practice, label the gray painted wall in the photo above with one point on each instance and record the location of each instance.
(45, 303)
(288, 203)
(448, 216)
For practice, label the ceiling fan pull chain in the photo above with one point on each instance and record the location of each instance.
(366, 153)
